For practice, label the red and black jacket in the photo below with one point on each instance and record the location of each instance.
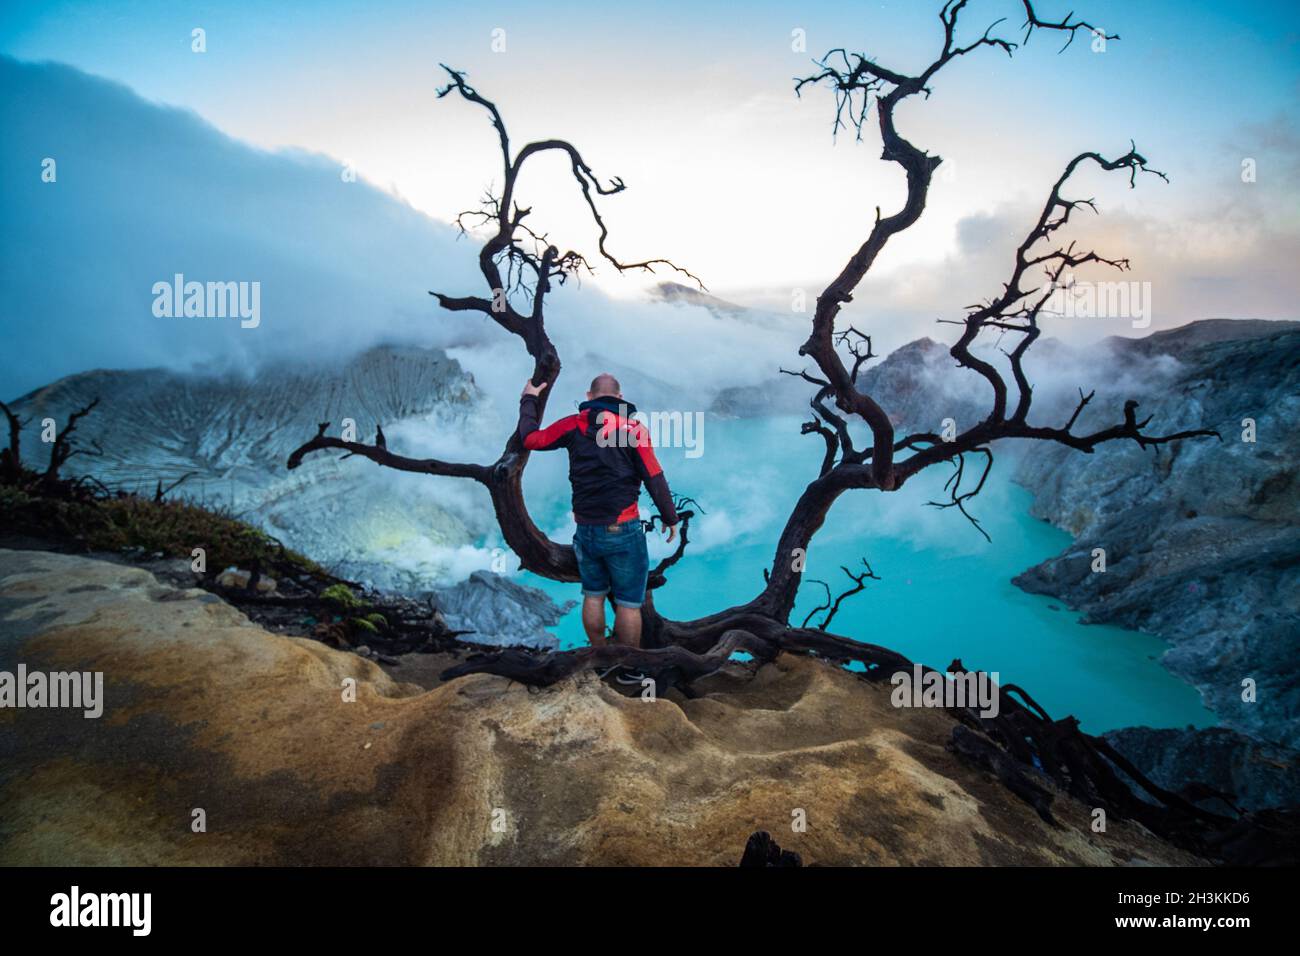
(609, 457)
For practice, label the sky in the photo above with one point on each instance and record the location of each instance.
(728, 172)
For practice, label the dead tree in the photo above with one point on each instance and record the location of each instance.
(11, 459)
(520, 265)
(63, 448)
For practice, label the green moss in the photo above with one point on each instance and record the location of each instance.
(341, 595)
(173, 528)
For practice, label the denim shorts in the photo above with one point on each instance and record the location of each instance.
(613, 558)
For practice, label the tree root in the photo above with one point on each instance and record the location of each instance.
(667, 666)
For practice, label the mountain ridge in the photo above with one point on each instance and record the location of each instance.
(231, 433)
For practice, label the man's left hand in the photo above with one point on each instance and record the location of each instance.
(531, 389)
(672, 532)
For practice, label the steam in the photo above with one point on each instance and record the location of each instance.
(143, 192)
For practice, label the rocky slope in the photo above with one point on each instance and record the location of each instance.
(205, 711)
(232, 434)
(502, 611)
(1199, 762)
(1202, 540)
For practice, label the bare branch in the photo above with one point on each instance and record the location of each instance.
(859, 583)
(11, 459)
(960, 498)
(62, 449)
(380, 455)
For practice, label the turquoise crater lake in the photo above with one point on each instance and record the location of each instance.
(944, 591)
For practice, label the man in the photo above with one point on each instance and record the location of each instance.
(610, 456)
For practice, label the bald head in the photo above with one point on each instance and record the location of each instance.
(605, 384)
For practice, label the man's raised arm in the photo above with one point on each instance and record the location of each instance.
(541, 439)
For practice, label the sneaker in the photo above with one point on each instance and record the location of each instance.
(632, 677)
(609, 670)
